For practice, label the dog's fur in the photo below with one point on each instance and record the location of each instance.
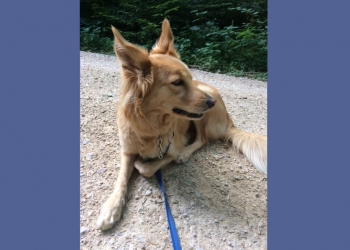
(160, 102)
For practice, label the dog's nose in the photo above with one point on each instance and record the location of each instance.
(210, 102)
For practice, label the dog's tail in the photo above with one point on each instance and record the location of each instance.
(252, 146)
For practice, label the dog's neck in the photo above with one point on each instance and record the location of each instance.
(149, 123)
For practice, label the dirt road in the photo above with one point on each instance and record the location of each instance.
(218, 199)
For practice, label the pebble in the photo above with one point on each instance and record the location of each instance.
(86, 141)
(232, 244)
(83, 241)
(89, 156)
(193, 231)
(207, 235)
(84, 230)
(192, 222)
(217, 157)
(148, 192)
(101, 170)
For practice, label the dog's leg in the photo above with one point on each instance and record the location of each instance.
(111, 210)
(148, 169)
(187, 151)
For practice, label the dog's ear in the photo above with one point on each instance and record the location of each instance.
(165, 43)
(136, 66)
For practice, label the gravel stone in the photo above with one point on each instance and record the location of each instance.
(84, 230)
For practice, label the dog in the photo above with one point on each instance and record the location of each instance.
(160, 109)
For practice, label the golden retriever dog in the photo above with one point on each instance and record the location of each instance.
(160, 109)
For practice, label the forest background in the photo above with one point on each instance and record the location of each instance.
(227, 37)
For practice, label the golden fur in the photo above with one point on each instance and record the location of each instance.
(160, 100)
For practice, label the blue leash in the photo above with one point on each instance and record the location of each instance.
(173, 233)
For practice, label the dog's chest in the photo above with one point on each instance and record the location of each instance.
(158, 147)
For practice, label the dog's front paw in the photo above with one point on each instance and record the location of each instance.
(144, 168)
(111, 212)
(182, 158)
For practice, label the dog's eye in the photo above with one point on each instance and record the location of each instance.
(178, 82)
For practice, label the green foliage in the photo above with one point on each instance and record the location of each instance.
(227, 37)
(91, 40)
(227, 49)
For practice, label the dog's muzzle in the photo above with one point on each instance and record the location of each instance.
(210, 102)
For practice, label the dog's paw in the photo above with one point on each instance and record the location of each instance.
(111, 212)
(144, 168)
(182, 158)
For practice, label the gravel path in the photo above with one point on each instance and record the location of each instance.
(218, 199)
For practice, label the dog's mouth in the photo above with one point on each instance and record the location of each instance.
(188, 114)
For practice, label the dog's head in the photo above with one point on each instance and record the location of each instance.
(159, 81)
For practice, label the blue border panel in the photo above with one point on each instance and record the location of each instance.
(39, 117)
(309, 124)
